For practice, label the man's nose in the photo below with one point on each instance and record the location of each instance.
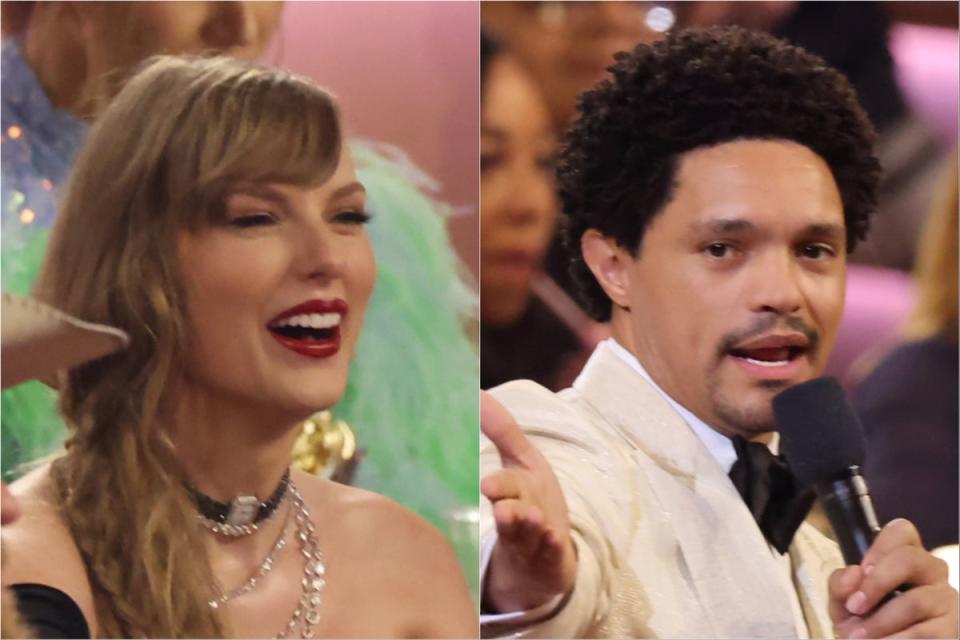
(776, 284)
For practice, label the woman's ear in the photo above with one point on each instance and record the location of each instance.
(609, 263)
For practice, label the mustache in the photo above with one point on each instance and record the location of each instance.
(765, 325)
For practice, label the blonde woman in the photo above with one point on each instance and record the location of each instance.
(215, 216)
(62, 62)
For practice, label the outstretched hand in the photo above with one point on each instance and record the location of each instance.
(928, 609)
(534, 558)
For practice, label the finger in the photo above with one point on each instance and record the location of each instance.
(905, 565)
(548, 550)
(939, 628)
(504, 484)
(910, 608)
(841, 585)
(517, 520)
(848, 627)
(897, 533)
(503, 430)
(520, 527)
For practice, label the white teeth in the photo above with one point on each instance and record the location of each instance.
(311, 321)
(767, 363)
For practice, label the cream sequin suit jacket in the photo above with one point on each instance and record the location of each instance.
(666, 547)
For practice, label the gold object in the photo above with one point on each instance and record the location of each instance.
(326, 447)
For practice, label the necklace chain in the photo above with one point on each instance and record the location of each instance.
(306, 614)
(307, 611)
(265, 567)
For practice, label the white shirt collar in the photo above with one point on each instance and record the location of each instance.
(719, 445)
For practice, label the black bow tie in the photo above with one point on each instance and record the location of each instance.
(770, 491)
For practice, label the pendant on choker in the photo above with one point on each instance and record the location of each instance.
(242, 515)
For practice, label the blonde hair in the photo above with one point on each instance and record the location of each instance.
(159, 162)
(936, 274)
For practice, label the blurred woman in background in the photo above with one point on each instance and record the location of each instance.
(522, 334)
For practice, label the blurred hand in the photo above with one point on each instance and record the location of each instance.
(534, 559)
(927, 610)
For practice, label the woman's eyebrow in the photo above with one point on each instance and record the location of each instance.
(263, 191)
(347, 190)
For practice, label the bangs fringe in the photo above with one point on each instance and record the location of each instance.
(259, 126)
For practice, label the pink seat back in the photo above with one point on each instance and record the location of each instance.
(878, 303)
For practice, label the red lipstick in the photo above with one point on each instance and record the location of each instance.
(310, 329)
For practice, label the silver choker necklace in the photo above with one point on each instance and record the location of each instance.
(241, 516)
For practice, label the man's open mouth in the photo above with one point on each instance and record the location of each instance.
(772, 350)
(769, 356)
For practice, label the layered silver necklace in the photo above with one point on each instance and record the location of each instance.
(306, 615)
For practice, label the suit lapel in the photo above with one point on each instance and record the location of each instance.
(728, 561)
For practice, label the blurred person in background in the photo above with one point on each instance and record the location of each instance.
(853, 37)
(908, 403)
(567, 47)
(62, 61)
(521, 336)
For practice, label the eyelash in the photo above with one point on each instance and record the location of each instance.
(358, 216)
(253, 220)
(824, 249)
(725, 245)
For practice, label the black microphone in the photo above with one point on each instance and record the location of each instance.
(822, 441)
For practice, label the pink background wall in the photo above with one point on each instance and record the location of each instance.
(406, 73)
(928, 68)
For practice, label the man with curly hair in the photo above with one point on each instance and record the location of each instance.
(713, 188)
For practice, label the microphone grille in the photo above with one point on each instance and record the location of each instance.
(820, 434)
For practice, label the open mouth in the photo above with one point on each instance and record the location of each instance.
(774, 356)
(315, 327)
(310, 329)
(769, 356)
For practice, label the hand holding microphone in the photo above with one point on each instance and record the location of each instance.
(823, 441)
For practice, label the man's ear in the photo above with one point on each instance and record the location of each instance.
(609, 263)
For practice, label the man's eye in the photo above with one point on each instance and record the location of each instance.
(718, 250)
(490, 160)
(253, 220)
(353, 217)
(816, 251)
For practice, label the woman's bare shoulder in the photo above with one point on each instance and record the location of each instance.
(38, 547)
(396, 544)
(369, 512)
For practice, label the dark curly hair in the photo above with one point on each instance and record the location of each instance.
(698, 88)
